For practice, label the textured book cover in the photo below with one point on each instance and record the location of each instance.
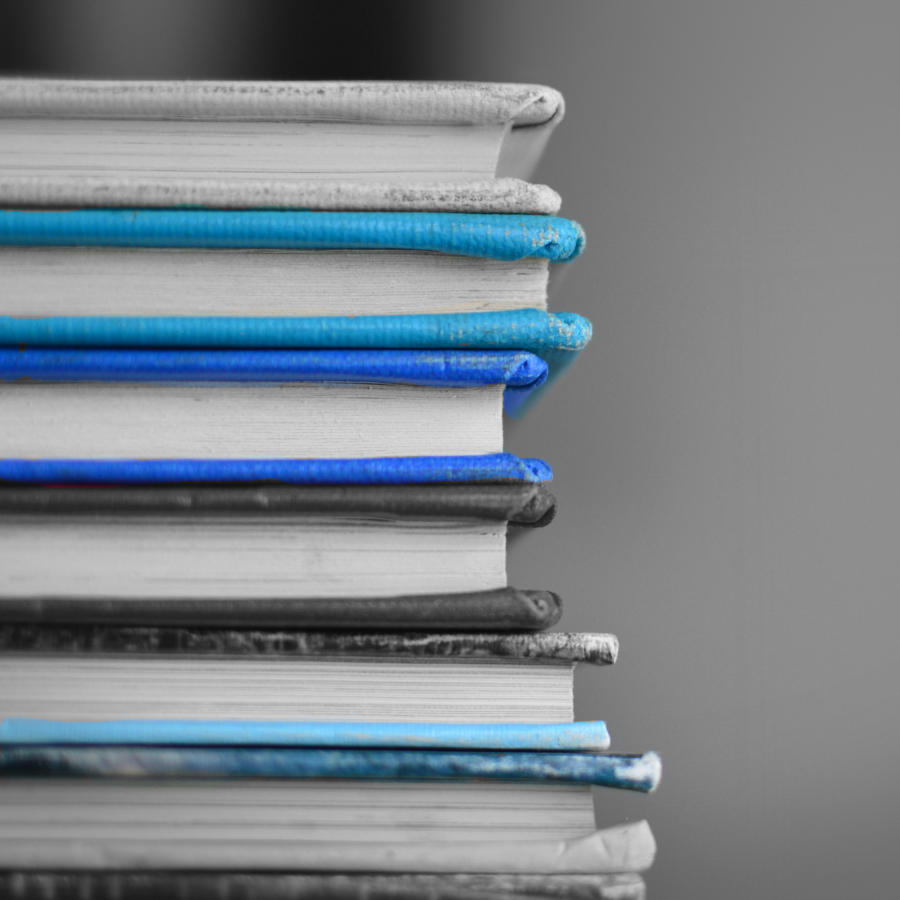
(633, 773)
(467, 234)
(549, 647)
(505, 609)
(522, 504)
(504, 196)
(519, 371)
(411, 102)
(25, 885)
(596, 649)
(588, 736)
(492, 467)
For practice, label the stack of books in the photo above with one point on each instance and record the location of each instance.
(256, 635)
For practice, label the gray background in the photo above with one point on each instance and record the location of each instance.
(726, 450)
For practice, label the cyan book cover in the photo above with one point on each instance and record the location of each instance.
(588, 736)
(635, 773)
(491, 467)
(467, 234)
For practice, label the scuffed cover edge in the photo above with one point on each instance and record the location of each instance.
(630, 773)
(564, 647)
(436, 102)
(505, 196)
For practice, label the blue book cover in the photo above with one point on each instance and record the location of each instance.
(494, 467)
(492, 236)
(521, 372)
(556, 338)
(636, 773)
(578, 736)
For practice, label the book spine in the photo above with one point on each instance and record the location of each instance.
(633, 773)
(507, 237)
(506, 609)
(589, 736)
(507, 196)
(520, 504)
(555, 647)
(518, 370)
(526, 329)
(395, 470)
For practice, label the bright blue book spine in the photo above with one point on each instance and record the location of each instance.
(506, 237)
(520, 371)
(434, 368)
(590, 736)
(385, 470)
(635, 773)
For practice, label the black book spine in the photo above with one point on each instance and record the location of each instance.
(526, 505)
(507, 609)
(26, 885)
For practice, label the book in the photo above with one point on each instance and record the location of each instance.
(24, 885)
(116, 674)
(263, 143)
(157, 263)
(258, 403)
(260, 549)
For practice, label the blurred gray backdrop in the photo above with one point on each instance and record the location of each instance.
(726, 450)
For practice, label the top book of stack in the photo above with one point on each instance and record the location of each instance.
(380, 146)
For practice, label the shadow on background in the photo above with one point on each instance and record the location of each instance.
(726, 450)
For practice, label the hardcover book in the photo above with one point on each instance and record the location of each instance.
(225, 404)
(260, 554)
(114, 674)
(333, 145)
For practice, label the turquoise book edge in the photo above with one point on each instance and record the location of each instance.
(378, 470)
(556, 338)
(635, 773)
(492, 236)
(589, 736)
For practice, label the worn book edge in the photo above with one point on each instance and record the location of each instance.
(632, 773)
(562, 647)
(505, 196)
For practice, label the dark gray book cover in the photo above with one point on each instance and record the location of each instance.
(521, 504)
(561, 647)
(25, 885)
(505, 609)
